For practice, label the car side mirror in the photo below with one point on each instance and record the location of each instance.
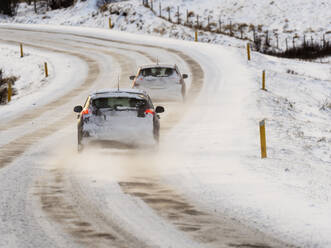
(132, 77)
(159, 109)
(185, 76)
(78, 109)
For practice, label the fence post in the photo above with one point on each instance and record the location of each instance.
(263, 80)
(160, 10)
(9, 91)
(196, 36)
(286, 44)
(263, 139)
(248, 52)
(21, 49)
(46, 70)
(169, 19)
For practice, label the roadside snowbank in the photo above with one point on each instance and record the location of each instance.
(33, 88)
(29, 69)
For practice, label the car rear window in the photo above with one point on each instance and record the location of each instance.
(158, 72)
(114, 102)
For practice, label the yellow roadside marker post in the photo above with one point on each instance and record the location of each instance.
(263, 80)
(248, 52)
(110, 25)
(263, 139)
(196, 36)
(21, 49)
(10, 91)
(46, 70)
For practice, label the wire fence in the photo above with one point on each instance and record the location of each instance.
(265, 41)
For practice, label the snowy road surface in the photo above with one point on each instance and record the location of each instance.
(117, 197)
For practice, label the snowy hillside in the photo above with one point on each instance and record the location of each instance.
(283, 19)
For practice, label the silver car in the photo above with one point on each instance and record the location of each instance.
(161, 81)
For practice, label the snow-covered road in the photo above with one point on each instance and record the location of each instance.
(195, 191)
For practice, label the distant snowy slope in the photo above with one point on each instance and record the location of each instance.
(287, 19)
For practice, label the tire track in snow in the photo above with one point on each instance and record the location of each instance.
(78, 216)
(208, 229)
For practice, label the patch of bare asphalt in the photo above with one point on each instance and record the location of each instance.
(66, 203)
(204, 227)
(57, 202)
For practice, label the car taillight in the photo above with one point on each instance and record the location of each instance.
(150, 111)
(85, 112)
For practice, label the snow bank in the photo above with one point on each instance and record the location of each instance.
(33, 88)
(29, 69)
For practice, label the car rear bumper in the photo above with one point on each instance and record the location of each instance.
(134, 135)
(173, 93)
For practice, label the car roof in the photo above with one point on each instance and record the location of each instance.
(135, 93)
(158, 65)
